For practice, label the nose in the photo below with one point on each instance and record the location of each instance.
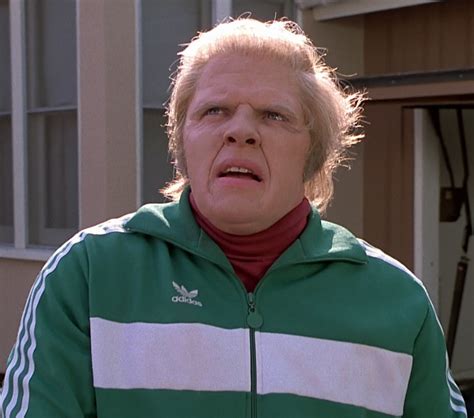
(242, 128)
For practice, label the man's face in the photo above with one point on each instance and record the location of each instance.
(245, 143)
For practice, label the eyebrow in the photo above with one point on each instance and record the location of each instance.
(205, 104)
(279, 108)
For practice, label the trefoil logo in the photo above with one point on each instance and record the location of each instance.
(185, 295)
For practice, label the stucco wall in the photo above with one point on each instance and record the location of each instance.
(16, 278)
(347, 206)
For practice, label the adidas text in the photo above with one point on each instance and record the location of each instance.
(183, 299)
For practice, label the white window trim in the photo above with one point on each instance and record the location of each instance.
(18, 78)
(426, 204)
(30, 253)
(139, 101)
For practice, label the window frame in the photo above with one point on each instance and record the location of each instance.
(21, 248)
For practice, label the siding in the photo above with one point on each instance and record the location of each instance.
(437, 36)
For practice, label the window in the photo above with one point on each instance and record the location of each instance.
(164, 26)
(6, 169)
(6, 179)
(52, 179)
(52, 122)
(38, 123)
(157, 167)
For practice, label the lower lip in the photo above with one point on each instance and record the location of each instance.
(240, 182)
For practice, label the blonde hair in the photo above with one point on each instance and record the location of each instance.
(332, 115)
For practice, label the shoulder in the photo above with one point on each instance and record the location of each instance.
(398, 279)
(378, 258)
(75, 249)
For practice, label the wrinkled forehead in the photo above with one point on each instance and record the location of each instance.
(246, 67)
(252, 79)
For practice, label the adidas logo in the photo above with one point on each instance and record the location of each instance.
(185, 295)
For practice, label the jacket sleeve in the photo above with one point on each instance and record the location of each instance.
(49, 372)
(432, 392)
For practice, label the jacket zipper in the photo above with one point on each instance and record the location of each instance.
(254, 321)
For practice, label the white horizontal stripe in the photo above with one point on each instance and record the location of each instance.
(169, 356)
(343, 372)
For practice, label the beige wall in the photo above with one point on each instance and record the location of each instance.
(343, 40)
(347, 206)
(16, 278)
(429, 37)
(108, 128)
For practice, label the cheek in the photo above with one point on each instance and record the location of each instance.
(289, 154)
(199, 154)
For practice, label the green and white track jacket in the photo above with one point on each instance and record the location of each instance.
(144, 317)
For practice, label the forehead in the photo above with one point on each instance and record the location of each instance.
(239, 77)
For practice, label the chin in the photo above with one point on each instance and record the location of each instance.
(235, 220)
(235, 213)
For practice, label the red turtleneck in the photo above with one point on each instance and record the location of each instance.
(252, 255)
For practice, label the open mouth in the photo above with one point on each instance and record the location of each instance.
(240, 172)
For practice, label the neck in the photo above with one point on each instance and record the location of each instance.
(252, 255)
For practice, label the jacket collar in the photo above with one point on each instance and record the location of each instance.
(174, 222)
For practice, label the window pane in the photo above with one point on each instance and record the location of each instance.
(5, 92)
(51, 53)
(157, 169)
(165, 25)
(262, 9)
(6, 181)
(6, 169)
(53, 188)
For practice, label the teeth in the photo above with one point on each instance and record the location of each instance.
(238, 170)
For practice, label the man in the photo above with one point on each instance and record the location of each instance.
(236, 300)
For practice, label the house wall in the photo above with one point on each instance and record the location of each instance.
(347, 207)
(436, 36)
(341, 39)
(16, 278)
(108, 110)
(429, 37)
(342, 42)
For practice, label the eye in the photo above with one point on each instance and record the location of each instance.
(269, 114)
(215, 110)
